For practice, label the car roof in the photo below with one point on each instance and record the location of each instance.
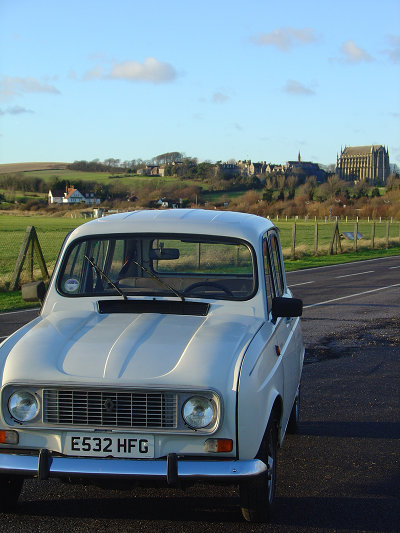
(187, 221)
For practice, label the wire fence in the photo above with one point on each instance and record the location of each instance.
(299, 238)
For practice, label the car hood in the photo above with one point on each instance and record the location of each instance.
(131, 349)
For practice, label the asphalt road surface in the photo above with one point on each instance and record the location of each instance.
(339, 473)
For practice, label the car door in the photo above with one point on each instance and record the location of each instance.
(287, 333)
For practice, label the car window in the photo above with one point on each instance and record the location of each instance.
(152, 264)
(273, 269)
(277, 264)
(269, 280)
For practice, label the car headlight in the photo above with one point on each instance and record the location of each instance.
(199, 412)
(23, 406)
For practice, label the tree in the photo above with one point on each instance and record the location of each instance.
(168, 157)
(281, 181)
(187, 169)
(334, 186)
(112, 163)
(310, 187)
(360, 189)
(205, 170)
(268, 195)
(291, 183)
(393, 182)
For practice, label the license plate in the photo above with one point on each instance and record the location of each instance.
(106, 444)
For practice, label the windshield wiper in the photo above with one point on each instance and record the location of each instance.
(159, 280)
(108, 280)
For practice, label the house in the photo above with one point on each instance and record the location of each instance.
(247, 168)
(226, 169)
(71, 196)
(91, 199)
(149, 170)
(167, 203)
(56, 197)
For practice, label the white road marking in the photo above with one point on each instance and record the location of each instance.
(390, 268)
(352, 295)
(357, 274)
(21, 311)
(297, 284)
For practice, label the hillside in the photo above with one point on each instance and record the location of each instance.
(25, 167)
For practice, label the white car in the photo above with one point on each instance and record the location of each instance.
(168, 349)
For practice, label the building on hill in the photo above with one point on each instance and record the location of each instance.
(71, 196)
(56, 196)
(248, 168)
(226, 169)
(308, 168)
(364, 162)
(149, 170)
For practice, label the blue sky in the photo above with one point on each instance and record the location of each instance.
(216, 80)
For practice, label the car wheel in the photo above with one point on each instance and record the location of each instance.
(257, 495)
(10, 489)
(293, 423)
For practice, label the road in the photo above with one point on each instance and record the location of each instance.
(339, 473)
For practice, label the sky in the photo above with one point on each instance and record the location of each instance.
(216, 80)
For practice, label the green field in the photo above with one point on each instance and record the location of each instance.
(51, 232)
(19, 196)
(135, 181)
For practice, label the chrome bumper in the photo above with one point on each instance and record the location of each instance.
(171, 470)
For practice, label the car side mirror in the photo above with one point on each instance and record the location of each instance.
(286, 307)
(34, 291)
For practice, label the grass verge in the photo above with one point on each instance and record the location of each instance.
(346, 257)
(12, 301)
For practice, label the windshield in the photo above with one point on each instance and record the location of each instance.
(158, 265)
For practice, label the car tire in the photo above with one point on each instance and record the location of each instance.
(257, 496)
(10, 489)
(293, 423)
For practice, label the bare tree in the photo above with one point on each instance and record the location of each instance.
(291, 183)
(310, 187)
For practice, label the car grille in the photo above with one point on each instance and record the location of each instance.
(155, 410)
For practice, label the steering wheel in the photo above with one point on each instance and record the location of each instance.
(213, 284)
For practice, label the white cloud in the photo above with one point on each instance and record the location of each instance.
(351, 53)
(285, 38)
(297, 88)
(150, 70)
(394, 51)
(94, 74)
(15, 86)
(220, 98)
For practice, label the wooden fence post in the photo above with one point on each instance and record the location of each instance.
(387, 233)
(198, 255)
(294, 241)
(335, 240)
(355, 235)
(373, 235)
(316, 239)
(30, 244)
